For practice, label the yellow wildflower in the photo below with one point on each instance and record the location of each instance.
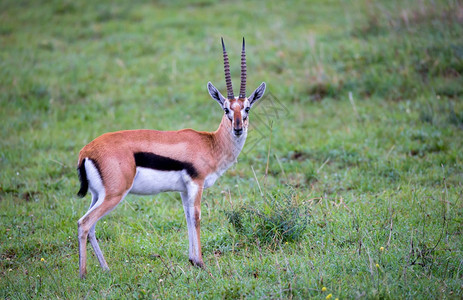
(329, 296)
(42, 259)
(381, 249)
(323, 289)
(377, 265)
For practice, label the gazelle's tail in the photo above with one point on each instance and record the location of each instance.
(83, 179)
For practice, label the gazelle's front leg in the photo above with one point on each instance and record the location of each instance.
(192, 206)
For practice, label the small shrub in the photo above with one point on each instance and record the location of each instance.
(279, 218)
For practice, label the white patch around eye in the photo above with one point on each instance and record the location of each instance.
(245, 105)
(245, 113)
(226, 108)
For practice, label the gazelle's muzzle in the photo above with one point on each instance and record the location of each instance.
(238, 127)
(237, 121)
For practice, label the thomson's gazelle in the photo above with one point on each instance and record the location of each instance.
(148, 162)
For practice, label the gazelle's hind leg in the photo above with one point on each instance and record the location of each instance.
(86, 228)
(102, 203)
(94, 242)
(96, 248)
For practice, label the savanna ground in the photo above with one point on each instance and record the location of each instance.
(350, 185)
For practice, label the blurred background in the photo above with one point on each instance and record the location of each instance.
(358, 139)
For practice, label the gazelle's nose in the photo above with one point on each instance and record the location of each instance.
(238, 131)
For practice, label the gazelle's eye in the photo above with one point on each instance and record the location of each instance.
(226, 111)
(247, 109)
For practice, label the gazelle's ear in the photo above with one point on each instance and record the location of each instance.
(215, 94)
(257, 94)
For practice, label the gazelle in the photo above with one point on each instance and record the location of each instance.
(149, 162)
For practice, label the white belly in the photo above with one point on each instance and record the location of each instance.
(150, 182)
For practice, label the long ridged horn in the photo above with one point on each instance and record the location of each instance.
(243, 72)
(226, 66)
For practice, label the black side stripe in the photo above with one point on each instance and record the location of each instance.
(162, 163)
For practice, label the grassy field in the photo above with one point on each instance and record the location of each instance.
(350, 185)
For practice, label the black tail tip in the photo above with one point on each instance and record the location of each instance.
(81, 193)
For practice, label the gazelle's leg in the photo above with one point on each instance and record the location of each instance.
(92, 237)
(192, 206)
(86, 227)
(82, 239)
(96, 248)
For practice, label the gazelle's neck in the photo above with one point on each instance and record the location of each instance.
(228, 145)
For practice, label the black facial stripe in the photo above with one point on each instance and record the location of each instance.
(162, 163)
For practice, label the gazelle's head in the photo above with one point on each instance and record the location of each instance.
(236, 108)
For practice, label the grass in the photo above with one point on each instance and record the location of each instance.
(360, 136)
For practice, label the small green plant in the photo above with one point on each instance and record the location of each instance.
(278, 218)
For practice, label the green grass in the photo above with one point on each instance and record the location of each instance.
(362, 140)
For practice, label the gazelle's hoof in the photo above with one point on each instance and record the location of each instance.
(199, 264)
